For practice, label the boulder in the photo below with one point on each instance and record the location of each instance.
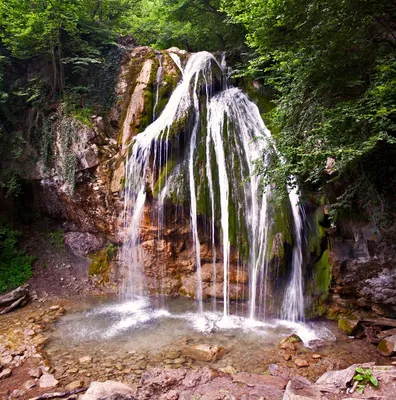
(387, 346)
(203, 352)
(82, 243)
(109, 390)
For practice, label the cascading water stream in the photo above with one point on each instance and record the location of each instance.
(234, 135)
(293, 303)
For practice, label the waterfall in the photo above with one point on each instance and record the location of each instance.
(224, 136)
(293, 303)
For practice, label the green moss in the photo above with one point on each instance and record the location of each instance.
(280, 228)
(347, 325)
(101, 262)
(164, 174)
(323, 274)
(316, 233)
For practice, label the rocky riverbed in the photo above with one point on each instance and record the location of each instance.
(33, 363)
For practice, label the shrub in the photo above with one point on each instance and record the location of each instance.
(15, 265)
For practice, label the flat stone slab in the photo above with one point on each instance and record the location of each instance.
(203, 352)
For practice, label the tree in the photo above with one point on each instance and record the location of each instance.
(333, 65)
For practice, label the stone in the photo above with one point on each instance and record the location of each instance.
(35, 372)
(47, 381)
(316, 356)
(292, 339)
(203, 352)
(74, 385)
(85, 360)
(17, 394)
(108, 389)
(387, 346)
(300, 388)
(228, 370)
(287, 356)
(55, 307)
(30, 384)
(278, 370)
(300, 363)
(335, 381)
(5, 373)
(347, 325)
(83, 243)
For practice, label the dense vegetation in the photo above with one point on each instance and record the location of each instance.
(332, 65)
(15, 265)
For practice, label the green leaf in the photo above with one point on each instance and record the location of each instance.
(360, 370)
(374, 381)
(358, 378)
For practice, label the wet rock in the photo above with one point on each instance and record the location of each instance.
(5, 373)
(387, 346)
(108, 390)
(30, 384)
(277, 370)
(47, 381)
(74, 385)
(35, 372)
(299, 388)
(292, 339)
(301, 363)
(203, 352)
(347, 325)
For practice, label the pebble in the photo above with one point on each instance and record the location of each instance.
(47, 381)
(228, 370)
(301, 363)
(72, 371)
(85, 360)
(6, 373)
(17, 393)
(35, 372)
(74, 385)
(30, 384)
(316, 356)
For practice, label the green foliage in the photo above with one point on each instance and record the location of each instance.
(188, 24)
(364, 377)
(333, 66)
(15, 265)
(56, 239)
(101, 260)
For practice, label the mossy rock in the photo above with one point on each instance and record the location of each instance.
(101, 262)
(348, 325)
(291, 339)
